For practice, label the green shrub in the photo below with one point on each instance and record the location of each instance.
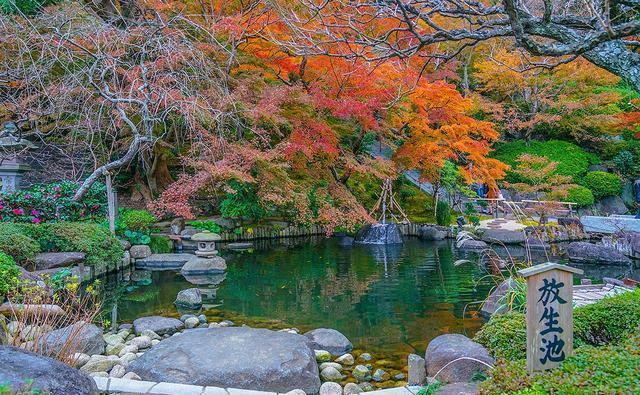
(610, 320)
(160, 244)
(99, 245)
(243, 203)
(603, 184)
(9, 275)
(504, 336)
(580, 195)
(27, 7)
(20, 247)
(211, 226)
(572, 160)
(443, 213)
(136, 220)
(611, 369)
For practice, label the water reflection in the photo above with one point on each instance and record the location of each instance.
(390, 299)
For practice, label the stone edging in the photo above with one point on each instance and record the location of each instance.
(112, 385)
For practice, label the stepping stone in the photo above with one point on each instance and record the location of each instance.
(164, 261)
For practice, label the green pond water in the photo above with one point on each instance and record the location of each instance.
(388, 300)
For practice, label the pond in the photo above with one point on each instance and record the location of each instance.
(388, 300)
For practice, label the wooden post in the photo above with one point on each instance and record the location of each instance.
(111, 204)
(549, 314)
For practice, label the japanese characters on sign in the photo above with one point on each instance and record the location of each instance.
(549, 314)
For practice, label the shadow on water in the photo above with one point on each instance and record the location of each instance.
(389, 300)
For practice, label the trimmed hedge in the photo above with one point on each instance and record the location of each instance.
(99, 245)
(16, 244)
(572, 160)
(9, 275)
(611, 369)
(136, 220)
(610, 320)
(603, 184)
(580, 195)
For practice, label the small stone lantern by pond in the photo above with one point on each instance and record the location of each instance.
(206, 243)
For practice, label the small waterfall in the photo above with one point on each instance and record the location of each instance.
(379, 234)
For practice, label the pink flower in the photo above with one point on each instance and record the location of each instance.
(34, 212)
(27, 196)
(36, 220)
(18, 211)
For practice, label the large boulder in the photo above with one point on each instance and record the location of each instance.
(163, 261)
(471, 244)
(379, 234)
(157, 324)
(81, 337)
(612, 205)
(236, 357)
(446, 348)
(189, 299)
(198, 266)
(140, 251)
(432, 232)
(47, 375)
(587, 252)
(52, 260)
(503, 236)
(329, 340)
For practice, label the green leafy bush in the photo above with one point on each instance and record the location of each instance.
(27, 7)
(505, 336)
(580, 195)
(443, 214)
(608, 321)
(20, 247)
(572, 160)
(99, 245)
(243, 203)
(136, 220)
(603, 184)
(611, 369)
(53, 202)
(9, 275)
(160, 245)
(211, 226)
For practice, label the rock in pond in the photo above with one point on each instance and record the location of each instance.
(52, 260)
(432, 232)
(159, 325)
(140, 251)
(48, 375)
(189, 299)
(330, 388)
(361, 373)
(85, 338)
(492, 304)
(346, 359)
(473, 245)
(417, 370)
(503, 236)
(236, 357)
(163, 261)
(329, 340)
(204, 266)
(352, 389)
(587, 252)
(446, 348)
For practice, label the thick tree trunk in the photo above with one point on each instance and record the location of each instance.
(616, 58)
(134, 148)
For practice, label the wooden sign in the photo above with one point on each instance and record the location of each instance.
(549, 314)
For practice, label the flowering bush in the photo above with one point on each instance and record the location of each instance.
(53, 202)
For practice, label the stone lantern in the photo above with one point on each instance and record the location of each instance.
(11, 168)
(206, 243)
